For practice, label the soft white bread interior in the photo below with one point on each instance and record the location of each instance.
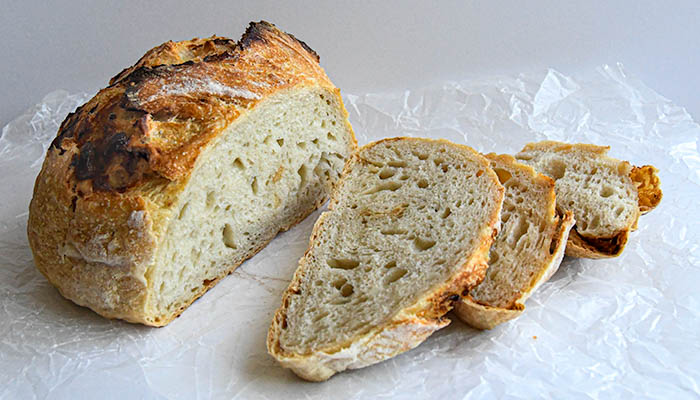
(599, 190)
(188, 163)
(407, 232)
(266, 173)
(526, 252)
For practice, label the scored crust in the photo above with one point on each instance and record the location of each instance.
(484, 316)
(409, 327)
(649, 195)
(113, 174)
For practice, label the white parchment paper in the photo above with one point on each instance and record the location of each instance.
(622, 328)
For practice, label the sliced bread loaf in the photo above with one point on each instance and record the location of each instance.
(526, 252)
(189, 163)
(407, 233)
(606, 195)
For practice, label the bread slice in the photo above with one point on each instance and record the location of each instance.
(407, 232)
(606, 195)
(187, 164)
(527, 251)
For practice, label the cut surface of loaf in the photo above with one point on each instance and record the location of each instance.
(189, 163)
(526, 252)
(407, 232)
(601, 191)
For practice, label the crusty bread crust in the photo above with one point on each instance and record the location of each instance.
(648, 187)
(484, 316)
(649, 195)
(112, 176)
(409, 327)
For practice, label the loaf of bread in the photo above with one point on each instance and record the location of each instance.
(187, 164)
(527, 251)
(606, 195)
(407, 233)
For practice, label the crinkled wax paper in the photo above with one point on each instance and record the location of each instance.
(627, 327)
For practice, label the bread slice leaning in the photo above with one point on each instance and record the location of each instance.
(189, 163)
(407, 233)
(606, 195)
(527, 251)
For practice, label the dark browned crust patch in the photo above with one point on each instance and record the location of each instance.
(595, 248)
(156, 116)
(648, 187)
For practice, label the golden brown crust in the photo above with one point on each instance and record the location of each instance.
(157, 116)
(648, 187)
(406, 329)
(118, 164)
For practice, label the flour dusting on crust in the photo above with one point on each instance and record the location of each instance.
(190, 86)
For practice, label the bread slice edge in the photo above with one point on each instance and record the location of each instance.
(409, 327)
(483, 316)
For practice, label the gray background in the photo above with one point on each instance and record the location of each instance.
(364, 46)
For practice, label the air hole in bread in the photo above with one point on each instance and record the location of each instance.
(342, 263)
(397, 164)
(556, 169)
(338, 283)
(254, 185)
(393, 231)
(445, 168)
(386, 173)
(331, 136)
(238, 164)
(394, 275)
(446, 213)
(479, 173)
(302, 145)
(422, 183)
(211, 198)
(392, 186)
(606, 191)
(303, 175)
(423, 244)
(267, 139)
(280, 142)
(390, 264)
(346, 290)
(229, 240)
(183, 211)
(321, 316)
(519, 230)
(438, 161)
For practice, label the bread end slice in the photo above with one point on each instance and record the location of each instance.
(606, 195)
